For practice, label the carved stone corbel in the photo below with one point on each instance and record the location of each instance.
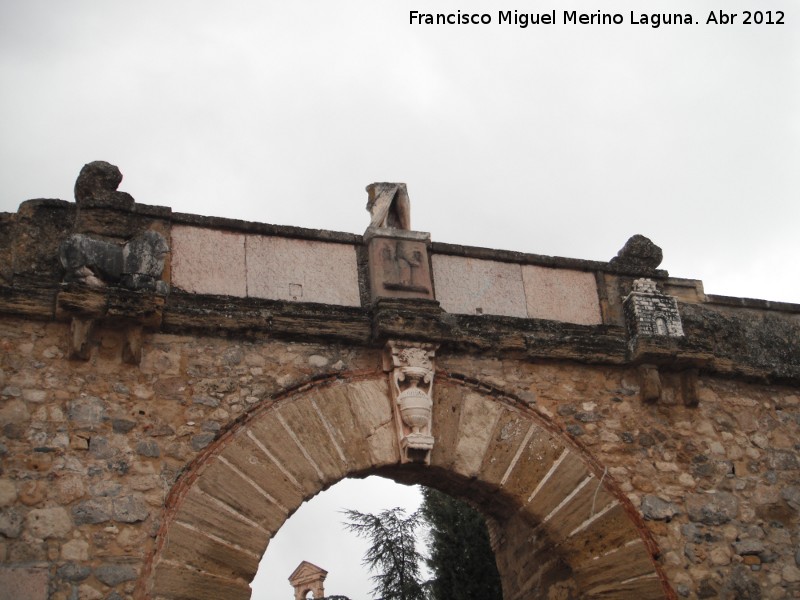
(410, 367)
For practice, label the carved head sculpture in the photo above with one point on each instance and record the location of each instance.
(97, 186)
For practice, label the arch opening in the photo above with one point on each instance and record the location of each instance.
(557, 524)
(316, 533)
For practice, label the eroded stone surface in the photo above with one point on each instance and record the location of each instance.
(561, 295)
(474, 286)
(206, 261)
(23, 583)
(302, 270)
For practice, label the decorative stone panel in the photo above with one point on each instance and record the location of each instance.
(398, 263)
(651, 313)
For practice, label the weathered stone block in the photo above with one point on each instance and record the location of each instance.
(474, 286)
(561, 295)
(478, 418)
(207, 261)
(23, 583)
(657, 509)
(11, 522)
(114, 574)
(86, 413)
(48, 522)
(95, 510)
(717, 508)
(129, 509)
(8, 492)
(302, 271)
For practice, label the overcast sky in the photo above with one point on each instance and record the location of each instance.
(551, 139)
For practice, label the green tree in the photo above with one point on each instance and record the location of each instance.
(392, 554)
(461, 559)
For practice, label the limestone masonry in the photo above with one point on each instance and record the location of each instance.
(173, 387)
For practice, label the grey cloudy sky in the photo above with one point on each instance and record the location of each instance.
(558, 139)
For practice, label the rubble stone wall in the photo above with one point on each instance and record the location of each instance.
(91, 450)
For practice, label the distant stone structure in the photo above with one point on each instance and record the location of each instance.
(308, 577)
(625, 434)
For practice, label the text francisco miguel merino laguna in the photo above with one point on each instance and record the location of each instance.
(573, 17)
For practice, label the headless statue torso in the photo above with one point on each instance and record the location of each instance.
(389, 205)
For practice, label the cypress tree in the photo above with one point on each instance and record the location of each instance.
(461, 559)
(392, 554)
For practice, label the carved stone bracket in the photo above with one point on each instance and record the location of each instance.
(668, 388)
(411, 368)
(87, 308)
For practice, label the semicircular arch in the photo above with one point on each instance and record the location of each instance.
(557, 521)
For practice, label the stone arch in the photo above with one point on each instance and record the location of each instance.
(557, 521)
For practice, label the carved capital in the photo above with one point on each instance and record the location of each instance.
(411, 368)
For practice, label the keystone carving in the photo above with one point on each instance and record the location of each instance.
(638, 254)
(389, 205)
(136, 265)
(410, 367)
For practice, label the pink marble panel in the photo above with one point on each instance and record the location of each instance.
(208, 261)
(302, 270)
(475, 286)
(561, 295)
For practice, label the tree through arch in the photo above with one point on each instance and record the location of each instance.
(559, 527)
